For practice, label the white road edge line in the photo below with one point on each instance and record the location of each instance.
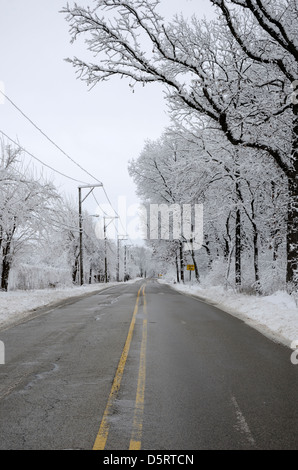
(242, 424)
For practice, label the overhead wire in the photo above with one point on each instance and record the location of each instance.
(64, 153)
(38, 159)
(104, 212)
(51, 168)
(53, 143)
(108, 199)
(47, 137)
(61, 173)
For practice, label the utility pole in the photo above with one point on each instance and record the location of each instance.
(81, 236)
(105, 241)
(118, 254)
(125, 260)
(91, 187)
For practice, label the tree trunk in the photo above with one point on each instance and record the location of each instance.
(255, 246)
(181, 262)
(292, 222)
(7, 257)
(227, 239)
(292, 231)
(75, 269)
(6, 264)
(195, 265)
(237, 223)
(192, 253)
(177, 269)
(256, 259)
(238, 248)
(206, 246)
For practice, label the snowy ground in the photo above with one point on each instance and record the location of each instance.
(276, 316)
(15, 305)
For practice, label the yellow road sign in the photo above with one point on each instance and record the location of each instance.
(190, 267)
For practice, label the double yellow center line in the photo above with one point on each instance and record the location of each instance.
(135, 441)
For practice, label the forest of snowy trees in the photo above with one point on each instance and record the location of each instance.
(39, 234)
(231, 91)
(245, 210)
(230, 87)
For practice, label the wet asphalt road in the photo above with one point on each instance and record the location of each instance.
(141, 366)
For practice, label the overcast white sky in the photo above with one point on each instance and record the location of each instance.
(101, 129)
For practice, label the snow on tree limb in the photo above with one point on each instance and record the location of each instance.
(235, 72)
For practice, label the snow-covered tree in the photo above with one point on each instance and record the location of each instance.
(65, 229)
(167, 174)
(25, 207)
(243, 218)
(234, 74)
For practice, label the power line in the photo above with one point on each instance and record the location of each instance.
(47, 137)
(113, 221)
(104, 212)
(60, 149)
(36, 158)
(108, 199)
(107, 215)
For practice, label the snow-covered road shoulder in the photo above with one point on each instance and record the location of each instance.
(275, 316)
(17, 305)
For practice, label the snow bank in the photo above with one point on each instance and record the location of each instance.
(15, 305)
(276, 315)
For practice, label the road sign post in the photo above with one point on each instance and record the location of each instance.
(190, 268)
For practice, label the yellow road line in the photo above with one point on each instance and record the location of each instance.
(135, 442)
(103, 432)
